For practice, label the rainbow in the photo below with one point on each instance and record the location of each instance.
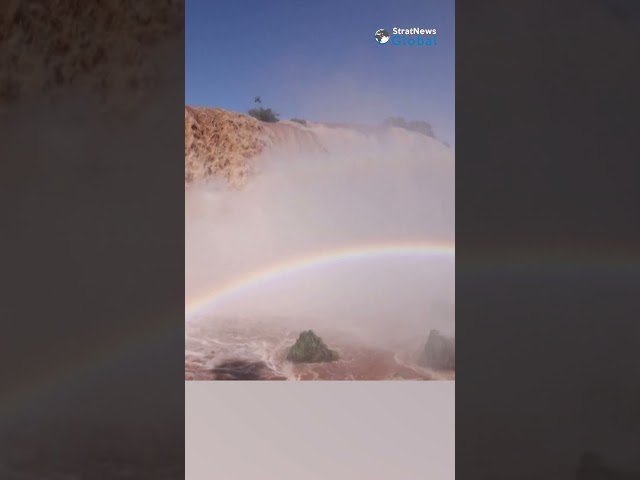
(316, 259)
(481, 263)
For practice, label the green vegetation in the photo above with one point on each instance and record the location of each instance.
(309, 348)
(413, 125)
(263, 114)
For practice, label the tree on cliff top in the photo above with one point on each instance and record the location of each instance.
(415, 126)
(263, 114)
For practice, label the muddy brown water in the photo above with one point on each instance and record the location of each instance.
(252, 350)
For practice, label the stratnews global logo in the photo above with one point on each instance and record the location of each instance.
(408, 37)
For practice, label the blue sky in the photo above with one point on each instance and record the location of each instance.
(319, 60)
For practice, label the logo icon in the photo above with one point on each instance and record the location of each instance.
(382, 36)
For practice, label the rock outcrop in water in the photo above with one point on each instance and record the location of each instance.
(439, 352)
(244, 370)
(310, 348)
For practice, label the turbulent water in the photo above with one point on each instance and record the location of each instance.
(242, 349)
(355, 189)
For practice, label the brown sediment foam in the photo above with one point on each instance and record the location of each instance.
(297, 138)
(220, 143)
(359, 360)
(224, 144)
(358, 363)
